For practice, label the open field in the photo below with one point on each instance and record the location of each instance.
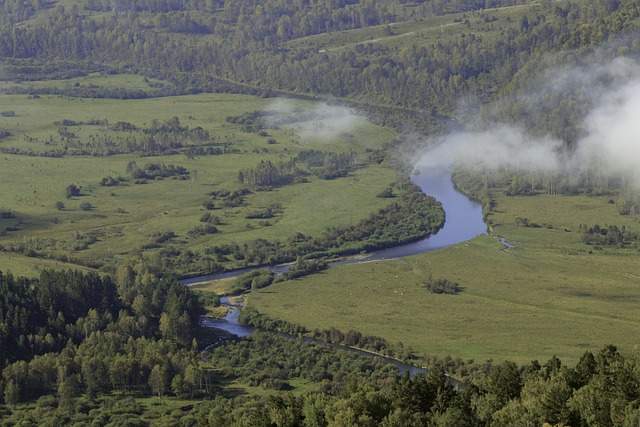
(20, 265)
(420, 32)
(126, 217)
(92, 80)
(549, 295)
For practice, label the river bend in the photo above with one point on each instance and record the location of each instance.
(463, 221)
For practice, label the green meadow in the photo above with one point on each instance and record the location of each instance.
(425, 32)
(549, 295)
(128, 218)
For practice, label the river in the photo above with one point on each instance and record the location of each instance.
(463, 221)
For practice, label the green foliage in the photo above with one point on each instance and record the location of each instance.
(415, 216)
(267, 174)
(203, 230)
(109, 181)
(351, 338)
(156, 171)
(327, 165)
(524, 222)
(302, 268)
(252, 280)
(611, 235)
(72, 333)
(442, 286)
(387, 193)
(264, 357)
(72, 190)
(266, 213)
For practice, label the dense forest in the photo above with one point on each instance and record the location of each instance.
(69, 333)
(120, 342)
(245, 43)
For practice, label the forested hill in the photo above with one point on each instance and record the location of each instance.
(427, 55)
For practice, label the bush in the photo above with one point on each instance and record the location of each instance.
(303, 267)
(109, 181)
(386, 193)
(252, 280)
(86, 206)
(203, 230)
(72, 190)
(442, 286)
(6, 214)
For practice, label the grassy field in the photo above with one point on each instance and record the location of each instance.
(549, 295)
(420, 32)
(126, 217)
(101, 80)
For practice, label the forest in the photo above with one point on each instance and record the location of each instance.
(80, 347)
(116, 340)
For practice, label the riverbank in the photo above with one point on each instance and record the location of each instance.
(463, 221)
(231, 328)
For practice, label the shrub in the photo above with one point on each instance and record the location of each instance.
(109, 181)
(442, 286)
(252, 280)
(6, 214)
(387, 193)
(72, 190)
(203, 230)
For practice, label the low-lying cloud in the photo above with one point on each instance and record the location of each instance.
(613, 132)
(608, 124)
(501, 146)
(324, 122)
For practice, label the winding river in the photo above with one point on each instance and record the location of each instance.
(463, 222)
(463, 219)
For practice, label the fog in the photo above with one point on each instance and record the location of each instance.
(501, 146)
(605, 94)
(613, 133)
(321, 122)
(608, 97)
